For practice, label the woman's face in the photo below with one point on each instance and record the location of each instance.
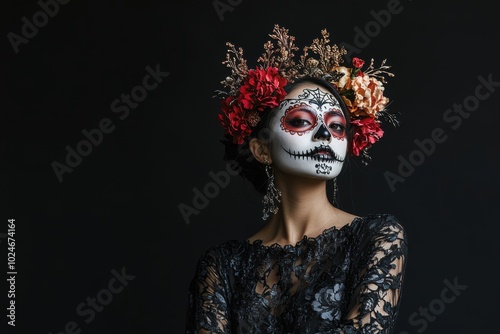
(309, 133)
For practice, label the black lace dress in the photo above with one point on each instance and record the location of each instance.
(346, 280)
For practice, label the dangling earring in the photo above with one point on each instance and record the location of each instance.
(272, 196)
(335, 190)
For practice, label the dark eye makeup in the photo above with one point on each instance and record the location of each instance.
(299, 118)
(336, 122)
(302, 117)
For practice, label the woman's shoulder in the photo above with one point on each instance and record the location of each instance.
(381, 225)
(382, 219)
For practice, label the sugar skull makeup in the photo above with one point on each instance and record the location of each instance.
(309, 133)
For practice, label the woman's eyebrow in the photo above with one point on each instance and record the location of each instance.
(303, 106)
(335, 112)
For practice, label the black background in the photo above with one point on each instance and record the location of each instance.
(119, 207)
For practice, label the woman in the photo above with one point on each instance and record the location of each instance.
(312, 268)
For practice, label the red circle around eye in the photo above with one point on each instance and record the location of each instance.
(299, 119)
(334, 118)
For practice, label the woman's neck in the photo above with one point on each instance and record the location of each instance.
(304, 210)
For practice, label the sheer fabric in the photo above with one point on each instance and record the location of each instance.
(346, 280)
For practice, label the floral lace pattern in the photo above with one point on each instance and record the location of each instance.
(346, 280)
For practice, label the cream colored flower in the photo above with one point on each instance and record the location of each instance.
(345, 78)
(369, 96)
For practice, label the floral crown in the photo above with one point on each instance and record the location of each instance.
(250, 92)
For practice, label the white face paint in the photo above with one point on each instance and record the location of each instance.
(309, 133)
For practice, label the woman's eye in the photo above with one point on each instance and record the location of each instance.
(337, 127)
(336, 123)
(298, 119)
(299, 122)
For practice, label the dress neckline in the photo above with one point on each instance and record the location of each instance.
(305, 238)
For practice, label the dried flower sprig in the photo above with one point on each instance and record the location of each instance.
(380, 72)
(329, 55)
(281, 55)
(239, 68)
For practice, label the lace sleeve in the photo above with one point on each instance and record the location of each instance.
(377, 292)
(207, 311)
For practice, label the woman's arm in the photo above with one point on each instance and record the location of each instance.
(377, 294)
(207, 311)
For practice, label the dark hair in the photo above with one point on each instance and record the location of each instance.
(244, 161)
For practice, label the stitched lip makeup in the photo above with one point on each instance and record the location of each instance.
(320, 153)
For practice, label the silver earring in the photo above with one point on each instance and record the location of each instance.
(272, 196)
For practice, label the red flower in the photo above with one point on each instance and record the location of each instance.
(261, 90)
(233, 120)
(366, 132)
(358, 62)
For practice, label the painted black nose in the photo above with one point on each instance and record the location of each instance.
(322, 133)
